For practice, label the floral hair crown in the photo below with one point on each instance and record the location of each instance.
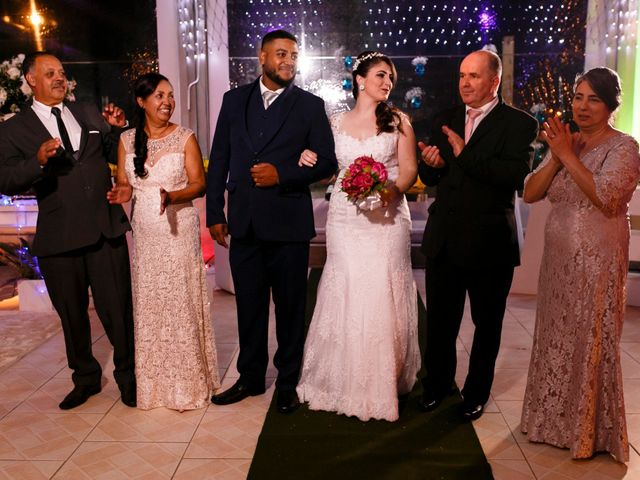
(364, 58)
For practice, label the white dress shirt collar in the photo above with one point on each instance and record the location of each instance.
(485, 109)
(263, 88)
(45, 110)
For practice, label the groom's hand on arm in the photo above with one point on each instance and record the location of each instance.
(264, 175)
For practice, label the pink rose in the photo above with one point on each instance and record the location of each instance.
(379, 171)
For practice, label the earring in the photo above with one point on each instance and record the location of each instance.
(361, 87)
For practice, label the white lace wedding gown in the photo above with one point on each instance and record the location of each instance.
(362, 348)
(176, 364)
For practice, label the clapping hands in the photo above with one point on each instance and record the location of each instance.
(431, 155)
(559, 137)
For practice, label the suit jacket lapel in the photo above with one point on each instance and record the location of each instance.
(283, 105)
(458, 121)
(32, 119)
(243, 114)
(487, 122)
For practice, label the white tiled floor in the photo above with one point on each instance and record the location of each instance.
(103, 439)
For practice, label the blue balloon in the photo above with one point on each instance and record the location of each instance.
(416, 102)
(347, 84)
(348, 62)
(420, 69)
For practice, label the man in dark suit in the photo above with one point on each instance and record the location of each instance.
(60, 150)
(478, 157)
(262, 129)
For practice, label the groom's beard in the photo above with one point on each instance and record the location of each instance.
(272, 75)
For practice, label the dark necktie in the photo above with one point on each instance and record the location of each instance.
(64, 135)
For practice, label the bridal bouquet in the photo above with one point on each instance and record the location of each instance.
(363, 181)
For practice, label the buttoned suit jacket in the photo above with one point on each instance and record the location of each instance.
(473, 213)
(283, 212)
(73, 211)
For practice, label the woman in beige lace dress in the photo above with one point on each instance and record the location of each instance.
(574, 396)
(160, 169)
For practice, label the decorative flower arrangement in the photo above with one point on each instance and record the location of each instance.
(14, 89)
(420, 65)
(414, 97)
(363, 181)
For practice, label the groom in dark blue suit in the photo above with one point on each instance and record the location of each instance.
(262, 129)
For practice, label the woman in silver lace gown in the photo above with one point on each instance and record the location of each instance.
(362, 348)
(160, 168)
(574, 396)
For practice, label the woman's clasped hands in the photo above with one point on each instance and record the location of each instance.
(561, 140)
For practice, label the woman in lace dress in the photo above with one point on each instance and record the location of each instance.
(160, 164)
(574, 395)
(362, 348)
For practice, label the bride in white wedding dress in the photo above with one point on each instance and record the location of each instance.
(362, 350)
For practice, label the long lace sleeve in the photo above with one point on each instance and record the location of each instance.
(544, 162)
(618, 176)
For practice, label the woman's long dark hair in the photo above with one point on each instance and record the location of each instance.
(387, 117)
(144, 86)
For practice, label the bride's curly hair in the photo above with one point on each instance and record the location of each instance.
(144, 86)
(387, 117)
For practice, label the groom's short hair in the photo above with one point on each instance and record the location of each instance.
(276, 34)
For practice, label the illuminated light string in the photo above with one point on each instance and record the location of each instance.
(549, 35)
(426, 24)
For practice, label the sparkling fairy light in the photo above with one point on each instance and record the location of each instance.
(549, 36)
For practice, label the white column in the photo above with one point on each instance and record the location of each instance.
(218, 57)
(218, 73)
(169, 51)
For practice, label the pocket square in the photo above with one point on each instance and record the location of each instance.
(94, 131)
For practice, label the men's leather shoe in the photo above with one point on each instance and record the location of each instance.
(471, 412)
(429, 401)
(128, 395)
(287, 401)
(78, 396)
(235, 394)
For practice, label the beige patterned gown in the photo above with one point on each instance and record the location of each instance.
(176, 364)
(574, 396)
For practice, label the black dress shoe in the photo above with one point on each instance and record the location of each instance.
(235, 394)
(287, 401)
(128, 395)
(429, 401)
(78, 396)
(469, 411)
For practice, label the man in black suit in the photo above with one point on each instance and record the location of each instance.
(60, 150)
(262, 129)
(478, 157)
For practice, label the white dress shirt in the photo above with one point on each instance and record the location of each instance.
(49, 120)
(263, 89)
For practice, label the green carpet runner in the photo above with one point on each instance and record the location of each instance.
(309, 445)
